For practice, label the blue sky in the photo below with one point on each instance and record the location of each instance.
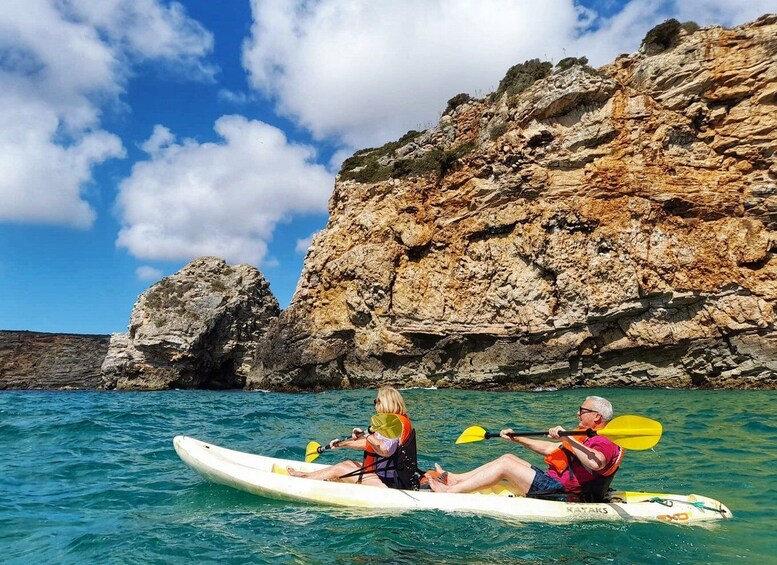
(136, 135)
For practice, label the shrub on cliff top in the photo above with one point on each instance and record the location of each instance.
(364, 167)
(569, 62)
(435, 162)
(666, 35)
(457, 101)
(521, 76)
(690, 27)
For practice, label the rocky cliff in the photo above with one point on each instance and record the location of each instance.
(35, 360)
(198, 328)
(578, 227)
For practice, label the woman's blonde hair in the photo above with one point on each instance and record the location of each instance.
(390, 401)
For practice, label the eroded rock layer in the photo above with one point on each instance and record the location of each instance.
(595, 227)
(37, 360)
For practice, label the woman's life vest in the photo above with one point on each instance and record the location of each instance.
(564, 460)
(400, 469)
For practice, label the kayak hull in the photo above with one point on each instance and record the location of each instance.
(254, 474)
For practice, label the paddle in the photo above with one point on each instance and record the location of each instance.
(387, 425)
(630, 432)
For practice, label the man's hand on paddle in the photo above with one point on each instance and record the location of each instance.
(553, 432)
(505, 434)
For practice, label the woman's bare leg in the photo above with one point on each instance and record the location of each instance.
(331, 472)
(336, 472)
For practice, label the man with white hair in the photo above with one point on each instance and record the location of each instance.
(578, 465)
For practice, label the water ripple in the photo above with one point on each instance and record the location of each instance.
(92, 477)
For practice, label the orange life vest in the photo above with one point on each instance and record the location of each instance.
(371, 457)
(404, 461)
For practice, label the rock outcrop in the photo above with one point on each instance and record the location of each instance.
(595, 227)
(36, 360)
(198, 328)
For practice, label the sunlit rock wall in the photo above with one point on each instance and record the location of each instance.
(600, 227)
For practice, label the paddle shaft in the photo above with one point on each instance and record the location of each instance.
(628, 432)
(322, 448)
(587, 433)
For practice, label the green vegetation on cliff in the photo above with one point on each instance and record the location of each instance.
(666, 35)
(375, 164)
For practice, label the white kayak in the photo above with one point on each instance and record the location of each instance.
(264, 476)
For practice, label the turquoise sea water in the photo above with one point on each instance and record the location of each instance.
(92, 477)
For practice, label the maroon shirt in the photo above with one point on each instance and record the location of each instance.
(580, 474)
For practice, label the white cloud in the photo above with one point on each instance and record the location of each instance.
(148, 273)
(369, 71)
(42, 181)
(59, 61)
(160, 138)
(236, 98)
(304, 244)
(721, 12)
(150, 30)
(363, 73)
(222, 199)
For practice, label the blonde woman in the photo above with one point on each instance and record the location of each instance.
(386, 462)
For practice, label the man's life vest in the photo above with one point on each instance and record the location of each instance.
(404, 461)
(594, 490)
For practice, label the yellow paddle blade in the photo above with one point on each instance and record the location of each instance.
(633, 432)
(279, 469)
(471, 434)
(311, 451)
(387, 425)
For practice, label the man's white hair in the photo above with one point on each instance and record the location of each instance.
(601, 405)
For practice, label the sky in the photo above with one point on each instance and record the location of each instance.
(136, 135)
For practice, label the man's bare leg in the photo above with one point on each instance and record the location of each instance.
(508, 468)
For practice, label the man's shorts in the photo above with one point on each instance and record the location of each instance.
(543, 484)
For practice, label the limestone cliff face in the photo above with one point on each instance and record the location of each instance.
(36, 360)
(598, 227)
(198, 328)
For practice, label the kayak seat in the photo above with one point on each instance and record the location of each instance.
(596, 490)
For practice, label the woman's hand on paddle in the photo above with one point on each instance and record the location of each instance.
(357, 433)
(334, 443)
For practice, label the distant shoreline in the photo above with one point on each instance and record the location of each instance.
(45, 361)
(74, 334)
